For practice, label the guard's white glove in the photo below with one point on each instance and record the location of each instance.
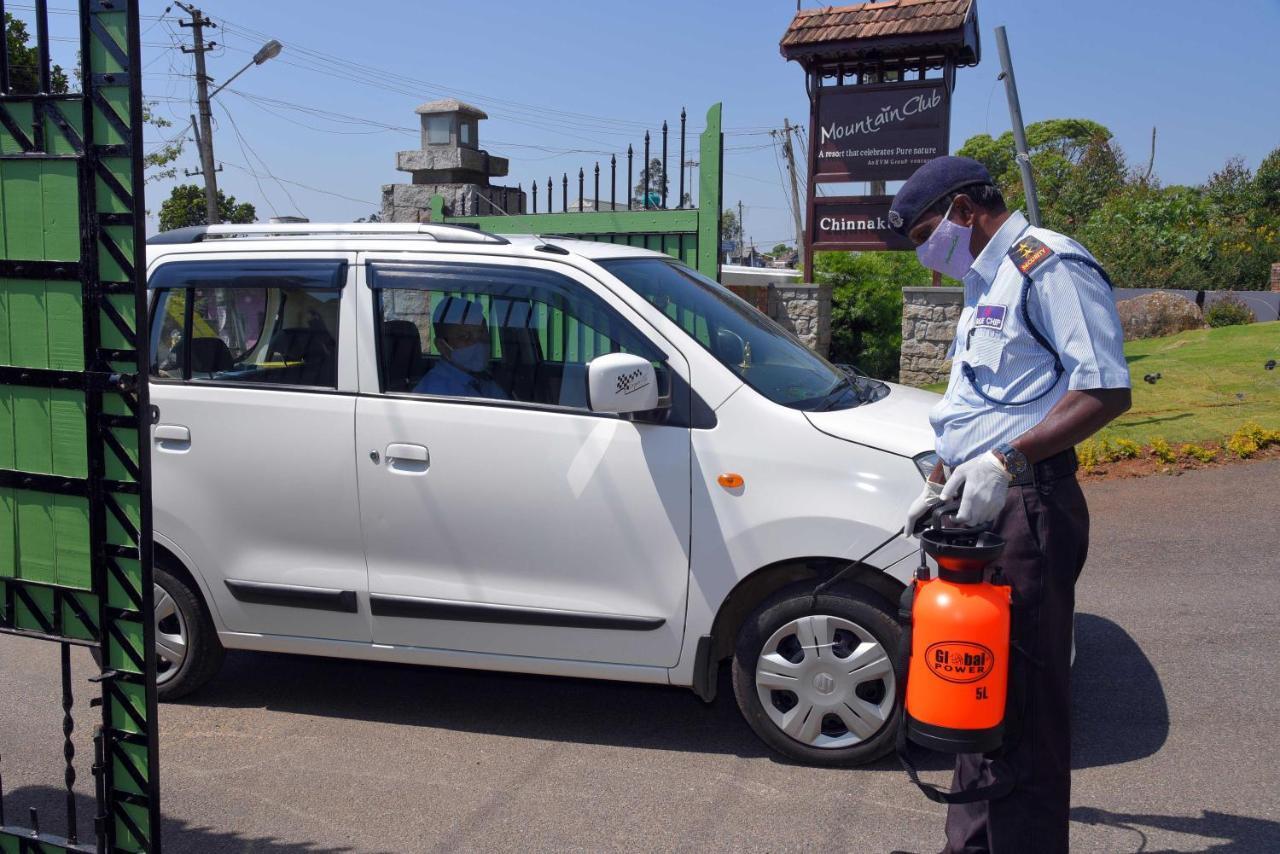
(984, 482)
(930, 498)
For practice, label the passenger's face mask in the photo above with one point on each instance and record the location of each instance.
(947, 249)
(473, 357)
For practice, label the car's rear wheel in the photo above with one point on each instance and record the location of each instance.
(187, 650)
(815, 679)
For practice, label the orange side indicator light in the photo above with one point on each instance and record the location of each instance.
(731, 480)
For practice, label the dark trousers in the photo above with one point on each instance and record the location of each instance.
(1046, 527)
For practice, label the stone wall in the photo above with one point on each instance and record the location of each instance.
(929, 318)
(412, 202)
(806, 311)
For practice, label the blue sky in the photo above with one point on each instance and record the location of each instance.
(1200, 72)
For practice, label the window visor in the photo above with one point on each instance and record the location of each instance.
(324, 273)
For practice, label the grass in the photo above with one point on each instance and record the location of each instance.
(1211, 382)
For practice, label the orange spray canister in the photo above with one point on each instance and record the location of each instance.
(959, 670)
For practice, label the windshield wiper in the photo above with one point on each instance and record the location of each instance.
(832, 397)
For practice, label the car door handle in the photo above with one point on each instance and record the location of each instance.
(173, 438)
(407, 459)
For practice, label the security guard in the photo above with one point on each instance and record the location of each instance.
(1037, 367)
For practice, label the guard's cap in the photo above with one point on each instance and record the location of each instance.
(931, 182)
(458, 311)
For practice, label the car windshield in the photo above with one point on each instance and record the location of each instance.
(762, 353)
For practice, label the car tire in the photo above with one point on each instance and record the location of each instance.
(816, 678)
(180, 615)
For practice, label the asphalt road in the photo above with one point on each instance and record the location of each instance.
(1177, 714)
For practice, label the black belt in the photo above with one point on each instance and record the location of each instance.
(1058, 466)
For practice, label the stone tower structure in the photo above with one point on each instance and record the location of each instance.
(449, 163)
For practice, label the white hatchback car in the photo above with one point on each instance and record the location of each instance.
(432, 445)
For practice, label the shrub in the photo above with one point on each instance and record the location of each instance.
(1230, 310)
(1250, 438)
(1161, 451)
(1126, 449)
(1198, 453)
(1157, 314)
(1242, 445)
(866, 306)
(1259, 434)
(1087, 454)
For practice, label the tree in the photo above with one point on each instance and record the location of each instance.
(373, 217)
(157, 165)
(24, 61)
(780, 249)
(1075, 163)
(866, 305)
(729, 225)
(1266, 183)
(185, 206)
(657, 183)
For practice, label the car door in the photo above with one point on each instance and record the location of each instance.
(253, 380)
(500, 514)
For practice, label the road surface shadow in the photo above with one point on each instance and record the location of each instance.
(175, 835)
(1238, 834)
(1118, 708)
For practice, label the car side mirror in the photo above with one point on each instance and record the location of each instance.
(622, 383)
(730, 347)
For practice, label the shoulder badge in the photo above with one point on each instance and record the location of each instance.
(1029, 253)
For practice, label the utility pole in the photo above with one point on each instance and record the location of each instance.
(204, 139)
(789, 153)
(740, 238)
(1019, 133)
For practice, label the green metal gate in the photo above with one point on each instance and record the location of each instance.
(75, 509)
(688, 232)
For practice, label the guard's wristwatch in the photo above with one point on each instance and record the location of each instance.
(1015, 462)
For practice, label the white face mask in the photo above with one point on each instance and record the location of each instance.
(947, 249)
(473, 357)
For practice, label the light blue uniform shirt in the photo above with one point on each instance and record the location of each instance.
(448, 380)
(1072, 307)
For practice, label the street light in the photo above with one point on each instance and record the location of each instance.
(270, 50)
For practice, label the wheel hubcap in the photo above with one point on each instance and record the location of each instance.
(171, 636)
(825, 681)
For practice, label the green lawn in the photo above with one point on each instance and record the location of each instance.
(1211, 382)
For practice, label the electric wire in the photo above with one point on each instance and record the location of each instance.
(256, 179)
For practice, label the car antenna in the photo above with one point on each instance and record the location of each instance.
(544, 246)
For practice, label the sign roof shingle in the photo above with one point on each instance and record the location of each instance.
(875, 20)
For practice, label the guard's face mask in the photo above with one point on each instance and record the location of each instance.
(947, 249)
(473, 357)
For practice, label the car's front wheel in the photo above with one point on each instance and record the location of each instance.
(815, 678)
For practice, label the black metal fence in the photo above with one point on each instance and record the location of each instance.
(654, 183)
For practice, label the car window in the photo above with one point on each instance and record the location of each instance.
(499, 333)
(247, 322)
(753, 347)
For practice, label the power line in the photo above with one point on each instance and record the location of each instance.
(265, 168)
(244, 168)
(256, 179)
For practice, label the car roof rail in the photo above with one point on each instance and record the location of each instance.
(441, 232)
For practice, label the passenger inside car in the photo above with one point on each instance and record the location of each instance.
(462, 337)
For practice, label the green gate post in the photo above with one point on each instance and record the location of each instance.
(690, 234)
(75, 504)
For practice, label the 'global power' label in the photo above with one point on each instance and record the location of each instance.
(959, 661)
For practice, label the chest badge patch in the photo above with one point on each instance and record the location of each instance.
(1029, 253)
(989, 317)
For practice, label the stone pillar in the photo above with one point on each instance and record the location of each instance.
(929, 318)
(450, 163)
(1275, 277)
(805, 310)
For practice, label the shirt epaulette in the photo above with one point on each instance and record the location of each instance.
(1029, 253)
